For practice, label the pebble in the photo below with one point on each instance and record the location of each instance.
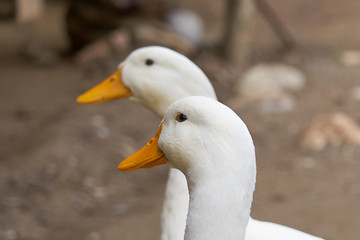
(188, 24)
(94, 236)
(120, 209)
(350, 58)
(102, 132)
(270, 81)
(10, 234)
(98, 121)
(335, 129)
(100, 193)
(355, 93)
(270, 87)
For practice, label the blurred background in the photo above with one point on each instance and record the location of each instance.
(290, 69)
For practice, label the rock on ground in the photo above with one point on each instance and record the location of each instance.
(271, 86)
(333, 129)
(188, 24)
(270, 81)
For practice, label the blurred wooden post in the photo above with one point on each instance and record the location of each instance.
(244, 32)
(230, 25)
(27, 10)
(238, 28)
(276, 24)
(239, 23)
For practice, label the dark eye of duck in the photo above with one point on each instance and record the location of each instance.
(149, 62)
(181, 117)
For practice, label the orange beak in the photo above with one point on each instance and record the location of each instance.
(112, 88)
(147, 157)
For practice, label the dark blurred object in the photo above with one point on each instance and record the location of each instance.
(238, 27)
(7, 9)
(288, 41)
(40, 54)
(88, 20)
(119, 43)
(21, 10)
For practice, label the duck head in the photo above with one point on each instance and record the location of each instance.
(153, 76)
(199, 136)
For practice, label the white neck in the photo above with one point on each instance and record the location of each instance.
(215, 151)
(219, 207)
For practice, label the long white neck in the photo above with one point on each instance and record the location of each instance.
(215, 151)
(219, 207)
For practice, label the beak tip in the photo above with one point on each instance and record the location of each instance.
(122, 169)
(78, 100)
(81, 99)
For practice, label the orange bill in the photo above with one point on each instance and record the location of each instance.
(112, 88)
(147, 157)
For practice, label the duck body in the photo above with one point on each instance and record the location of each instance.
(257, 230)
(156, 77)
(175, 206)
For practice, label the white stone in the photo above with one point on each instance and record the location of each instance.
(270, 82)
(350, 58)
(188, 24)
(355, 93)
(94, 236)
(120, 209)
(333, 129)
(98, 121)
(100, 193)
(10, 235)
(102, 132)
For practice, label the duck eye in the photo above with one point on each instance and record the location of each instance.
(181, 117)
(149, 62)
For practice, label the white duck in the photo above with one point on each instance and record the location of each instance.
(156, 77)
(212, 146)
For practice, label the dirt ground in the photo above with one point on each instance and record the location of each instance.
(58, 177)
